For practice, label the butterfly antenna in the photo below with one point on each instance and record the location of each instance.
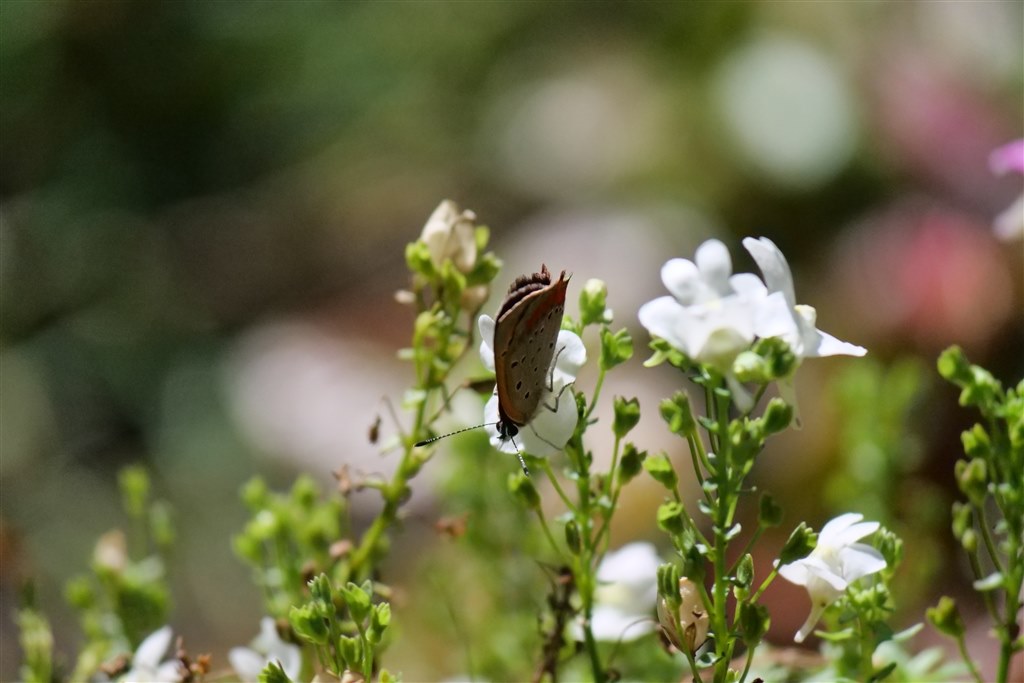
(445, 436)
(519, 454)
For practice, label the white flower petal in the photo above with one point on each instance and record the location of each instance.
(834, 529)
(682, 279)
(715, 265)
(153, 648)
(816, 611)
(486, 324)
(662, 318)
(860, 560)
(612, 624)
(570, 356)
(549, 430)
(773, 265)
(630, 562)
(247, 663)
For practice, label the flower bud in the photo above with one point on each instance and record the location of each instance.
(777, 416)
(945, 617)
(450, 235)
(357, 598)
(616, 347)
(308, 624)
(631, 463)
(672, 518)
(770, 513)
(684, 621)
(572, 537)
(677, 413)
(953, 366)
(754, 622)
(972, 478)
(627, 415)
(660, 467)
(593, 303)
(799, 545)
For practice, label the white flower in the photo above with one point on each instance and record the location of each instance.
(627, 589)
(794, 323)
(451, 234)
(835, 563)
(147, 666)
(1010, 157)
(549, 430)
(712, 314)
(267, 647)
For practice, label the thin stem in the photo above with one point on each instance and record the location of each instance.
(546, 467)
(597, 393)
(986, 536)
(746, 666)
(547, 531)
(961, 645)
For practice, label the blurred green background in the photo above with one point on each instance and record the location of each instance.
(204, 209)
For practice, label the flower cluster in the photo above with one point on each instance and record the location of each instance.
(713, 315)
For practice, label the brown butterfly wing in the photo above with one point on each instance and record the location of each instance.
(524, 343)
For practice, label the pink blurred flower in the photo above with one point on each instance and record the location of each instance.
(924, 273)
(1010, 157)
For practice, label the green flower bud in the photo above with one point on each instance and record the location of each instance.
(572, 537)
(672, 518)
(255, 494)
(351, 651)
(308, 624)
(660, 467)
(953, 366)
(799, 545)
(305, 492)
(677, 413)
(976, 442)
(273, 673)
(631, 462)
(616, 347)
(627, 414)
(668, 583)
(750, 367)
(972, 478)
(323, 596)
(770, 513)
(593, 303)
(357, 598)
(134, 483)
(745, 572)
(945, 617)
(417, 259)
(963, 519)
(777, 416)
(380, 618)
(779, 358)
(521, 487)
(969, 540)
(754, 622)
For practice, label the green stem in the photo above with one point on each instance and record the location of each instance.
(546, 466)
(866, 650)
(972, 667)
(986, 536)
(547, 531)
